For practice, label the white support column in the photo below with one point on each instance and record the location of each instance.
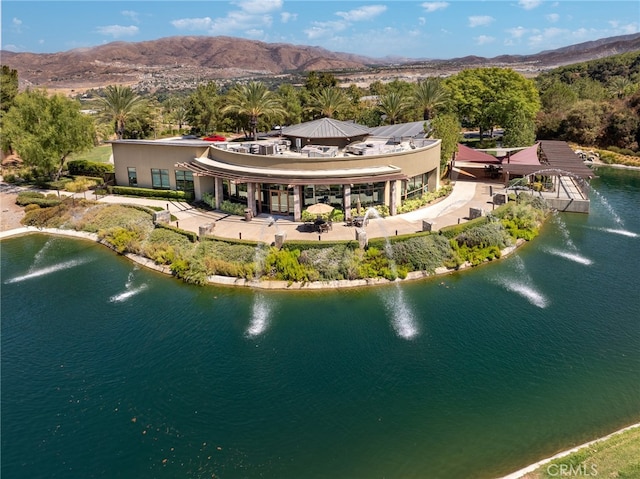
(218, 189)
(346, 190)
(251, 198)
(393, 201)
(297, 203)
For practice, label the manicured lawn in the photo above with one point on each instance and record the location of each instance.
(99, 154)
(618, 456)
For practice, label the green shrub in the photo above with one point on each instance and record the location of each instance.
(454, 230)
(232, 208)
(25, 198)
(89, 168)
(123, 240)
(330, 263)
(193, 237)
(488, 234)
(104, 216)
(81, 183)
(31, 207)
(151, 193)
(284, 265)
(416, 203)
(423, 253)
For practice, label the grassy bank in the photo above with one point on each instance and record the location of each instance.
(617, 456)
(130, 229)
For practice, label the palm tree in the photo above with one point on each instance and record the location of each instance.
(619, 86)
(393, 104)
(429, 95)
(253, 100)
(329, 101)
(119, 103)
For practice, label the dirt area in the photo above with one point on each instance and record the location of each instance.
(10, 213)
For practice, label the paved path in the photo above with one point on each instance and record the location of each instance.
(448, 211)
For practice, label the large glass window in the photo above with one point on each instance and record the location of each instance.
(330, 194)
(236, 192)
(184, 180)
(415, 187)
(370, 194)
(133, 176)
(160, 179)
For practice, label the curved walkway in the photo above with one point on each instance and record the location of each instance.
(451, 210)
(448, 211)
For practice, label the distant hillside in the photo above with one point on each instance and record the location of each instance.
(182, 62)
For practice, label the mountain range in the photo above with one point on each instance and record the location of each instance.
(182, 62)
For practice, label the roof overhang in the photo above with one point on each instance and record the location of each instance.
(252, 174)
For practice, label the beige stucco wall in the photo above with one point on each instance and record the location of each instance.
(144, 155)
(412, 162)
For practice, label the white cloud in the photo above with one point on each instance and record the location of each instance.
(431, 7)
(132, 15)
(623, 29)
(484, 40)
(193, 24)
(363, 13)
(11, 48)
(258, 7)
(529, 4)
(422, 21)
(324, 29)
(286, 17)
(234, 22)
(553, 17)
(118, 31)
(480, 20)
(254, 33)
(517, 32)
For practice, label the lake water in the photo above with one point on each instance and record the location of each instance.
(109, 370)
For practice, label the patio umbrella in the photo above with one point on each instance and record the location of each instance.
(358, 205)
(320, 209)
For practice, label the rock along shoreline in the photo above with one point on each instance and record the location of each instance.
(247, 283)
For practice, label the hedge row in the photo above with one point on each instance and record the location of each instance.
(89, 168)
(193, 237)
(151, 193)
(35, 198)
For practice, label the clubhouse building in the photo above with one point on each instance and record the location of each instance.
(323, 161)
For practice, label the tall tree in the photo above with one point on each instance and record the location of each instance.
(45, 130)
(328, 101)
(253, 100)
(446, 127)
(520, 130)
(485, 97)
(429, 95)
(394, 105)
(318, 80)
(290, 101)
(118, 104)
(203, 107)
(8, 87)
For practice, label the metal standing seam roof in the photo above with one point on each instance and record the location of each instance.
(403, 130)
(554, 156)
(326, 128)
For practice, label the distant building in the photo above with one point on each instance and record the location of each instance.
(324, 160)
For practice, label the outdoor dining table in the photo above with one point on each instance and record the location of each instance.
(358, 221)
(321, 225)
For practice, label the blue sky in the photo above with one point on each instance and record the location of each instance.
(415, 29)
